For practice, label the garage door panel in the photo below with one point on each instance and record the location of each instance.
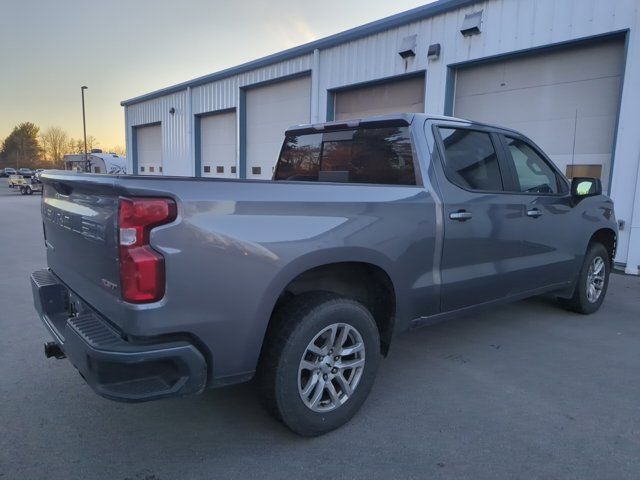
(149, 150)
(546, 133)
(272, 109)
(218, 144)
(580, 159)
(279, 92)
(393, 96)
(566, 101)
(594, 135)
(554, 101)
(549, 102)
(267, 114)
(568, 66)
(545, 69)
(488, 80)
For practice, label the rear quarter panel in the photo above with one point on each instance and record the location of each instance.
(228, 260)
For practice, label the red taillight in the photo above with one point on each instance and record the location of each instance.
(141, 267)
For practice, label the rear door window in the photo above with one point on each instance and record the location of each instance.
(380, 155)
(470, 159)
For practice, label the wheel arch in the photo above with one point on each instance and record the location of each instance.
(363, 275)
(607, 237)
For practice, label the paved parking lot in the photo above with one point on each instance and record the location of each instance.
(524, 391)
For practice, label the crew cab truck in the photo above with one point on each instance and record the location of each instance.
(163, 286)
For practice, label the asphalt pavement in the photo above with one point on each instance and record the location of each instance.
(520, 392)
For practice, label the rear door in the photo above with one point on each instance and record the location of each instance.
(482, 244)
(534, 182)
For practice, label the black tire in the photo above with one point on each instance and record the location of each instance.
(23, 190)
(580, 302)
(291, 330)
(29, 190)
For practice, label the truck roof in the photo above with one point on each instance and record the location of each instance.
(406, 118)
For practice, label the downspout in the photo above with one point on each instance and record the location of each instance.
(315, 87)
(190, 132)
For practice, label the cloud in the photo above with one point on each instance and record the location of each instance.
(295, 31)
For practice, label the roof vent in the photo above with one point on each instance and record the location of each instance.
(434, 51)
(471, 24)
(408, 47)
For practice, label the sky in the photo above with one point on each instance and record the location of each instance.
(124, 48)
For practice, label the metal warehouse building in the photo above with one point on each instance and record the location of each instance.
(565, 72)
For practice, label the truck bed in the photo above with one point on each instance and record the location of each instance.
(233, 245)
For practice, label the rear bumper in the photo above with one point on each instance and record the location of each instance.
(114, 367)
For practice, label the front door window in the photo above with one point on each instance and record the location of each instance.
(533, 173)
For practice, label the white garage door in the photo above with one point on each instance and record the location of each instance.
(566, 101)
(270, 111)
(149, 150)
(218, 145)
(396, 96)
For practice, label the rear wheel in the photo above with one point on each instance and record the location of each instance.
(319, 362)
(23, 190)
(592, 282)
(29, 190)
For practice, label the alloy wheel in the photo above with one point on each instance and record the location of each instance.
(331, 367)
(595, 279)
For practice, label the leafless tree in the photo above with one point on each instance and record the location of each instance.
(118, 150)
(55, 142)
(92, 143)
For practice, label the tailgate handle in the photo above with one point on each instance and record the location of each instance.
(62, 188)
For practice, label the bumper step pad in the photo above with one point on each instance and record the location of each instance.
(113, 366)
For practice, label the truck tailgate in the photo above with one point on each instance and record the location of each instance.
(81, 237)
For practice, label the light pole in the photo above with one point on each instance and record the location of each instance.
(84, 127)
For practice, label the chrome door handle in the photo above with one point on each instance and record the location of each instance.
(534, 213)
(460, 215)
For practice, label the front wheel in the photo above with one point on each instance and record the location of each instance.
(592, 282)
(319, 362)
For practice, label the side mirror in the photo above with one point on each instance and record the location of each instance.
(585, 187)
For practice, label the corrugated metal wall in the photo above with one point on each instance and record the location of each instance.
(176, 128)
(224, 93)
(507, 26)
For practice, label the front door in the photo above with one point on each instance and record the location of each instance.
(482, 244)
(548, 255)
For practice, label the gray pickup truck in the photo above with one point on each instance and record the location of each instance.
(162, 286)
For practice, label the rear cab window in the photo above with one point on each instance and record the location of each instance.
(371, 155)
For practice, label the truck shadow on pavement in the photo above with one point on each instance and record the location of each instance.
(236, 413)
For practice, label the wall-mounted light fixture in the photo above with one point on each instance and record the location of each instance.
(434, 51)
(471, 24)
(408, 47)
(172, 110)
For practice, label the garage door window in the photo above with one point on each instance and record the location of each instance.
(533, 173)
(364, 155)
(470, 159)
